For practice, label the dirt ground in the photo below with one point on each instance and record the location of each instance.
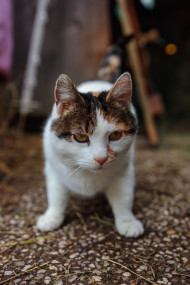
(87, 249)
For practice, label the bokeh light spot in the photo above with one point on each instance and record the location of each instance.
(171, 49)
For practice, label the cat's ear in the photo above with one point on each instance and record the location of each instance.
(65, 93)
(121, 91)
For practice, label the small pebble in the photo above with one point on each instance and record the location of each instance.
(39, 276)
(97, 278)
(127, 274)
(41, 271)
(74, 255)
(7, 273)
(19, 263)
(55, 261)
(17, 280)
(47, 280)
(26, 267)
(73, 278)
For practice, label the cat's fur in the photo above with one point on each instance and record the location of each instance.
(95, 109)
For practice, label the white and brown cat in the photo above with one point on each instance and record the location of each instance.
(89, 148)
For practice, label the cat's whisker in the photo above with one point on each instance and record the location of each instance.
(70, 163)
(77, 169)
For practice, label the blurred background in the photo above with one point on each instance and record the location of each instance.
(74, 40)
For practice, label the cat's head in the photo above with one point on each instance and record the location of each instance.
(92, 130)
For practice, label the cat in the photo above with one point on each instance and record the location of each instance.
(89, 142)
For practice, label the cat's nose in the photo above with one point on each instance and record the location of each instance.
(101, 160)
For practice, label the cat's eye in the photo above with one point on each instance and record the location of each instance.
(81, 138)
(115, 136)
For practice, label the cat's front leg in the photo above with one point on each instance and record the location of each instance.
(57, 196)
(120, 197)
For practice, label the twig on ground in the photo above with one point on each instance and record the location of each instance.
(142, 259)
(23, 273)
(156, 194)
(142, 277)
(81, 220)
(36, 239)
(182, 274)
(9, 244)
(7, 248)
(101, 220)
(26, 241)
(75, 273)
(11, 233)
(69, 265)
(146, 264)
(153, 273)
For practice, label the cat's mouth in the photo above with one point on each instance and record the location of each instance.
(95, 167)
(95, 170)
(99, 167)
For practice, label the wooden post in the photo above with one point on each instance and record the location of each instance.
(130, 25)
(34, 56)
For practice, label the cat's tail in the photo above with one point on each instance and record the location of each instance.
(111, 65)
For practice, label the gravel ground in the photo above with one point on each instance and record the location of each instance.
(87, 249)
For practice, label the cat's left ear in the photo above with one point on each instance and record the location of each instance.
(121, 91)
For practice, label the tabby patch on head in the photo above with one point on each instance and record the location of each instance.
(78, 111)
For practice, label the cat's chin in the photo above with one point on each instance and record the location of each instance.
(97, 168)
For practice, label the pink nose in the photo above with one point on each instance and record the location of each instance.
(101, 160)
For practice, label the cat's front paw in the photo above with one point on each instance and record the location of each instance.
(130, 228)
(49, 222)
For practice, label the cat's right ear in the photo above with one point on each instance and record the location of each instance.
(65, 93)
(121, 91)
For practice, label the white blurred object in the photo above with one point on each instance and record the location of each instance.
(30, 77)
(149, 4)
